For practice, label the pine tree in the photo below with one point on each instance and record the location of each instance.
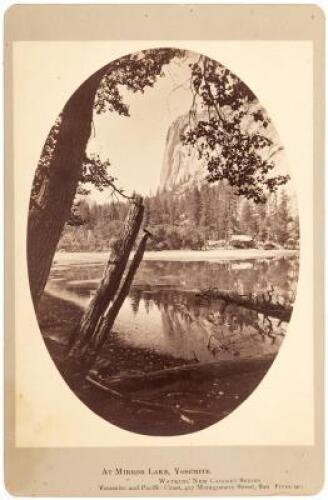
(283, 219)
(196, 205)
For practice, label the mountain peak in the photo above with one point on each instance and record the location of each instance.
(181, 165)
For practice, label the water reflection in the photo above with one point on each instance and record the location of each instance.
(186, 326)
(162, 313)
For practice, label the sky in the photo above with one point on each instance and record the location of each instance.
(135, 145)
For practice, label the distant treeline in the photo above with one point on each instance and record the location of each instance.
(190, 220)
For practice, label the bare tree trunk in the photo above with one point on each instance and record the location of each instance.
(55, 198)
(107, 320)
(82, 357)
(110, 281)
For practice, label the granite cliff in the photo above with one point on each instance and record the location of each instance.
(181, 166)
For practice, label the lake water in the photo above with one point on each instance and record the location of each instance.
(163, 315)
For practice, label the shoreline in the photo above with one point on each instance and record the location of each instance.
(217, 255)
(171, 406)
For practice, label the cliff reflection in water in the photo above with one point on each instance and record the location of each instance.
(163, 314)
(186, 326)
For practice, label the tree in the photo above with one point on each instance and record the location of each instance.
(223, 140)
(295, 229)
(246, 215)
(261, 216)
(230, 152)
(196, 205)
(249, 222)
(283, 219)
(88, 336)
(63, 164)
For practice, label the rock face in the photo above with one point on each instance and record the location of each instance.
(181, 166)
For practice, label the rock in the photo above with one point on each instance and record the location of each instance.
(181, 166)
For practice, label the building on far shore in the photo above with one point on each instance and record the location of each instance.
(242, 241)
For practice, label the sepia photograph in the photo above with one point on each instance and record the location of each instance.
(164, 284)
(163, 242)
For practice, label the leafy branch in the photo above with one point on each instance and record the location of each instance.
(224, 141)
(96, 172)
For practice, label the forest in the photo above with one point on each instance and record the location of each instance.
(242, 194)
(196, 218)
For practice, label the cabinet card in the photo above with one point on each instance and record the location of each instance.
(164, 250)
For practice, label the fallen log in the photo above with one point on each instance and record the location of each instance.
(256, 303)
(192, 372)
(153, 405)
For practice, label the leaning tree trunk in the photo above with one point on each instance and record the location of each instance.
(110, 282)
(101, 314)
(106, 321)
(50, 211)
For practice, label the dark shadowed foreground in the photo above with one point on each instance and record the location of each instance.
(152, 393)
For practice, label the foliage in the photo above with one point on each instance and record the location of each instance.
(135, 72)
(168, 237)
(188, 220)
(95, 172)
(224, 141)
(284, 229)
(238, 156)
